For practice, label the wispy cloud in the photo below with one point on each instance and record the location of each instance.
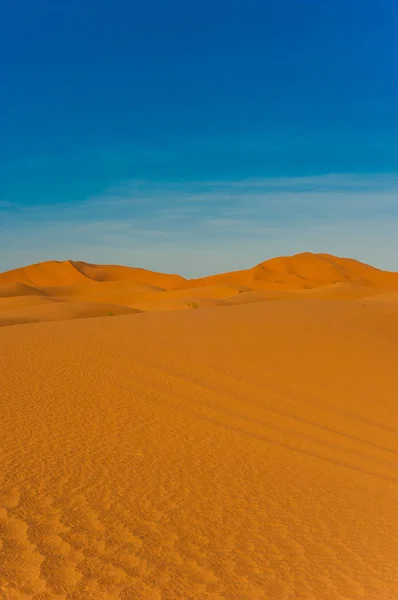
(208, 226)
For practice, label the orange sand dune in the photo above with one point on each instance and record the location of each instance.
(14, 289)
(302, 271)
(286, 278)
(244, 278)
(386, 297)
(46, 273)
(337, 291)
(12, 302)
(131, 274)
(312, 270)
(79, 289)
(246, 452)
(118, 292)
(68, 272)
(105, 288)
(199, 297)
(58, 311)
(143, 296)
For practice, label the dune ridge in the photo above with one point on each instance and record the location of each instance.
(71, 272)
(304, 271)
(98, 289)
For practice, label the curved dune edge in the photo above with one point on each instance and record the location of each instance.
(72, 289)
(70, 272)
(60, 311)
(247, 452)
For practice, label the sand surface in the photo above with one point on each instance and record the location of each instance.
(245, 450)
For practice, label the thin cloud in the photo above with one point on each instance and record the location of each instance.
(175, 225)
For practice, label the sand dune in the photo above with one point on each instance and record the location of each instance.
(192, 297)
(46, 273)
(78, 289)
(302, 271)
(73, 273)
(337, 291)
(15, 289)
(386, 297)
(129, 274)
(59, 311)
(246, 452)
(285, 278)
(15, 302)
(312, 270)
(116, 292)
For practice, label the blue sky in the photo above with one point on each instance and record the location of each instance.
(198, 137)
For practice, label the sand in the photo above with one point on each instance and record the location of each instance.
(82, 290)
(241, 451)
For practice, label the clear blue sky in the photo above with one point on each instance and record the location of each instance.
(198, 136)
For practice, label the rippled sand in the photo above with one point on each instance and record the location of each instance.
(238, 452)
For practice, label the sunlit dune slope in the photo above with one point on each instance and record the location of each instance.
(248, 452)
(199, 297)
(68, 272)
(303, 271)
(69, 290)
(46, 273)
(336, 291)
(128, 274)
(106, 288)
(312, 270)
(287, 278)
(118, 292)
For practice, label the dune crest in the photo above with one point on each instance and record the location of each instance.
(102, 273)
(46, 273)
(303, 271)
(321, 269)
(70, 272)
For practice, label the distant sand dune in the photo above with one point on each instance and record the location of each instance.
(59, 311)
(47, 273)
(87, 286)
(303, 271)
(73, 273)
(129, 274)
(312, 270)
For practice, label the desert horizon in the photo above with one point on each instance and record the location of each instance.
(58, 290)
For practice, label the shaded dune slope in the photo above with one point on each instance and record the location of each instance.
(15, 289)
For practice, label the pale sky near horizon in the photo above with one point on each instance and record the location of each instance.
(198, 138)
